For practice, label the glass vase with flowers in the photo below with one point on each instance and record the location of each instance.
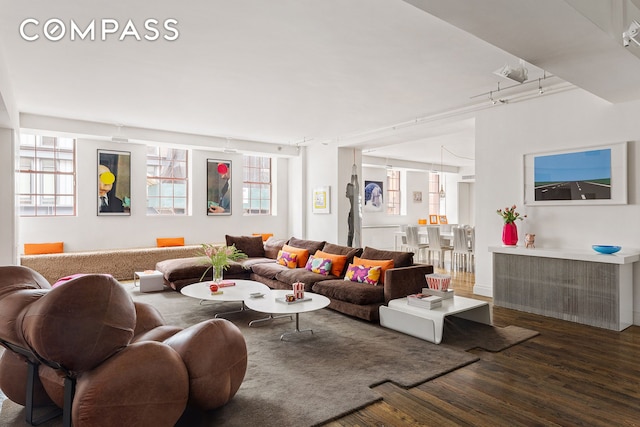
(219, 256)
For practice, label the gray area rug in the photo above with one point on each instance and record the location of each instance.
(312, 378)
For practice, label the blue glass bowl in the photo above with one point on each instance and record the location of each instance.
(606, 249)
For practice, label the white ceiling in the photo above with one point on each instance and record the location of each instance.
(376, 74)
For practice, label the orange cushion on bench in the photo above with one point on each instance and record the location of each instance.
(164, 242)
(43, 248)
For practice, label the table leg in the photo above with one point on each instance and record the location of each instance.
(243, 308)
(297, 330)
(271, 317)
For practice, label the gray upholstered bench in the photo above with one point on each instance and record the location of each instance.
(120, 263)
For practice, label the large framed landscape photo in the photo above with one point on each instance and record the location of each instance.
(584, 176)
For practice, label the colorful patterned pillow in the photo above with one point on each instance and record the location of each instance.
(384, 264)
(319, 265)
(287, 259)
(362, 274)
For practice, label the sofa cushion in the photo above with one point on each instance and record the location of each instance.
(362, 274)
(319, 265)
(288, 259)
(236, 268)
(252, 246)
(311, 245)
(272, 246)
(352, 292)
(291, 276)
(400, 259)
(347, 251)
(384, 265)
(166, 242)
(268, 270)
(248, 263)
(338, 262)
(303, 254)
(43, 248)
(183, 268)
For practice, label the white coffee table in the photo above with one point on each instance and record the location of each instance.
(269, 304)
(237, 293)
(429, 324)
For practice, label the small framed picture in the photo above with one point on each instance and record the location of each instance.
(433, 219)
(114, 183)
(417, 197)
(322, 200)
(443, 219)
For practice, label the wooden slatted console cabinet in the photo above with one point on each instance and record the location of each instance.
(577, 285)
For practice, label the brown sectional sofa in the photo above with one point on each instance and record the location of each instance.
(355, 299)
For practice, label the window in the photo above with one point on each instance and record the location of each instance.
(436, 204)
(256, 190)
(167, 181)
(393, 192)
(47, 176)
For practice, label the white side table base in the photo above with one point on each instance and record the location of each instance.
(149, 282)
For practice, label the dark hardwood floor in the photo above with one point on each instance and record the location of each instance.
(569, 375)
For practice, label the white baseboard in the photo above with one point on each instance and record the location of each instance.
(485, 291)
(636, 318)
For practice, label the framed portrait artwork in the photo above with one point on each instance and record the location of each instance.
(218, 187)
(322, 200)
(114, 183)
(373, 196)
(417, 197)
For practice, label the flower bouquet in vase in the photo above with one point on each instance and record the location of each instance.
(510, 230)
(219, 256)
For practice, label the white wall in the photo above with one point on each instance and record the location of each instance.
(322, 170)
(88, 231)
(567, 120)
(7, 195)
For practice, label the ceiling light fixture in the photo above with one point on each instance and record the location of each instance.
(442, 193)
(518, 74)
(631, 34)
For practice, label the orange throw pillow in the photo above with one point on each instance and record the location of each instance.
(303, 254)
(337, 262)
(43, 248)
(385, 264)
(164, 242)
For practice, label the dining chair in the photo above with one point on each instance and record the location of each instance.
(461, 254)
(436, 244)
(413, 242)
(472, 248)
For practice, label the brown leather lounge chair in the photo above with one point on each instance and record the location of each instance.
(86, 347)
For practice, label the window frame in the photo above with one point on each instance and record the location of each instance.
(38, 178)
(249, 185)
(157, 161)
(394, 192)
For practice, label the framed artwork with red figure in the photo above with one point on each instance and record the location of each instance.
(218, 187)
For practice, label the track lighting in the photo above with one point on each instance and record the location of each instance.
(631, 34)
